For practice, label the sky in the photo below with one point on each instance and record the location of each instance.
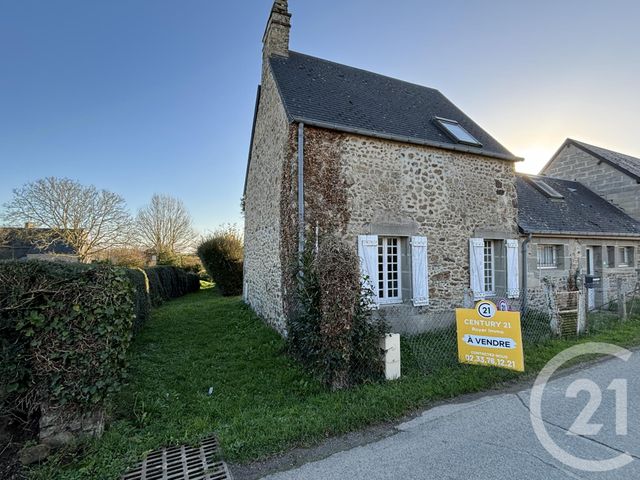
(157, 96)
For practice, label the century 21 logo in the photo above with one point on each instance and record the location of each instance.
(486, 309)
(582, 426)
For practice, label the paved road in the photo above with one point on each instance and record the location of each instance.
(492, 438)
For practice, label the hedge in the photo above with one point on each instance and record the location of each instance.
(168, 282)
(65, 330)
(142, 300)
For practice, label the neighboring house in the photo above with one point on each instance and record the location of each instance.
(570, 232)
(426, 196)
(614, 176)
(30, 243)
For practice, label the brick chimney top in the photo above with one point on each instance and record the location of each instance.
(276, 35)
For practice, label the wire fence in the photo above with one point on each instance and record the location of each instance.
(429, 340)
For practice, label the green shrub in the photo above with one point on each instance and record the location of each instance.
(142, 301)
(192, 263)
(166, 257)
(167, 282)
(332, 332)
(222, 256)
(65, 330)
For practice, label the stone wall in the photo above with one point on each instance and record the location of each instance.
(358, 185)
(573, 268)
(263, 268)
(573, 163)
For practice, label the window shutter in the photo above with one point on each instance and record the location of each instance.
(476, 267)
(513, 276)
(419, 271)
(368, 253)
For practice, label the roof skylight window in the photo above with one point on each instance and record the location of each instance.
(457, 131)
(545, 188)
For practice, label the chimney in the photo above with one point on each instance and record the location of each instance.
(29, 225)
(276, 35)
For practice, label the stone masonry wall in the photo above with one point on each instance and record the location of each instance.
(270, 153)
(358, 185)
(573, 264)
(572, 163)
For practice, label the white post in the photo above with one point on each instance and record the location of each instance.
(390, 344)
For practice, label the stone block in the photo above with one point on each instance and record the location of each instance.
(34, 454)
(59, 427)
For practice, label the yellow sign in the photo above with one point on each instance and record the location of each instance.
(489, 337)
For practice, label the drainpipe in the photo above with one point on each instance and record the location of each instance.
(525, 274)
(301, 229)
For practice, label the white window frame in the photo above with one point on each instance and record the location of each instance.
(490, 245)
(554, 257)
(383, 269)
(625, 257)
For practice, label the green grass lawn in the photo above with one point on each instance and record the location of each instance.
(262, 402)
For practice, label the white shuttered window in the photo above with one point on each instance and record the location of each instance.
(381, 261)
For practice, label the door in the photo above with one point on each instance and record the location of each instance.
(591, 292)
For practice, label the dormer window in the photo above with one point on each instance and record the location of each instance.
(456, 131)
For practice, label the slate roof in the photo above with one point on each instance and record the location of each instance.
(581, 212)
(327, 94)
(16, 243)
(625, 163)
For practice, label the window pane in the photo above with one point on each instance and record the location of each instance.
(488, 266)
(622, 251)
(458, 132)
(548, 256)
(389, 268)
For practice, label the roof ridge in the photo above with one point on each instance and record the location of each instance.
(350, 67)
(590, 146)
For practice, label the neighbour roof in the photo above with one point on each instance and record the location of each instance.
(19, 242)
(625, 163)
(579, 212)
(331, 95)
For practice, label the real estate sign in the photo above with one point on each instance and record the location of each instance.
(489, 337)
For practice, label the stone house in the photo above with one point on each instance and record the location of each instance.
(569, 233)
(425, 195)
(615, 176)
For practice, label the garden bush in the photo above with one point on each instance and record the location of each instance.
(222, 256)
(332, 331)
(167, 282)
(65, 330)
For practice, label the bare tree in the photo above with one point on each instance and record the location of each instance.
(165, 225)
(87, 219)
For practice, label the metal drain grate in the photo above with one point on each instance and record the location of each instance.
(182, 463)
